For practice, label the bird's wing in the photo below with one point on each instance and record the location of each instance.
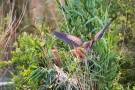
(101, 32)
(70, 39)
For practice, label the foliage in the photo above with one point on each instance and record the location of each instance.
(125, 24)
(23, 59)
(32, 61)
(5, 63)
(84, 17)
(76, 17)
(35, 67)
(32, 57)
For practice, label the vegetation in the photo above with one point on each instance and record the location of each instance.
(112, 56)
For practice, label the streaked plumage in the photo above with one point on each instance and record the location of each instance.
(78, 52)
(56, 60)
(77, 42)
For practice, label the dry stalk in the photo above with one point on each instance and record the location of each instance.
(63, 77)
(74, 80)
(11, 29)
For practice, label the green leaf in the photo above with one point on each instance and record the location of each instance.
(40, 19)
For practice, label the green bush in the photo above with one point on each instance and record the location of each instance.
(32, 60)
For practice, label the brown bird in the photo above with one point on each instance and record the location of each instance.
(56, 60)
(78, 52)
(77, 42)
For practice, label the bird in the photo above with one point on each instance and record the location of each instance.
(56, 60)
(77, 42)
(78, 52)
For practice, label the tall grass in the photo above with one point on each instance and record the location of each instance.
(82, 18)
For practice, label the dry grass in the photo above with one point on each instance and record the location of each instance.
(9, 35)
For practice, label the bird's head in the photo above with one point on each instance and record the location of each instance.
(88, 46)
(54, 48)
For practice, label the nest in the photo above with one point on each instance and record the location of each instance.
(69, 81)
